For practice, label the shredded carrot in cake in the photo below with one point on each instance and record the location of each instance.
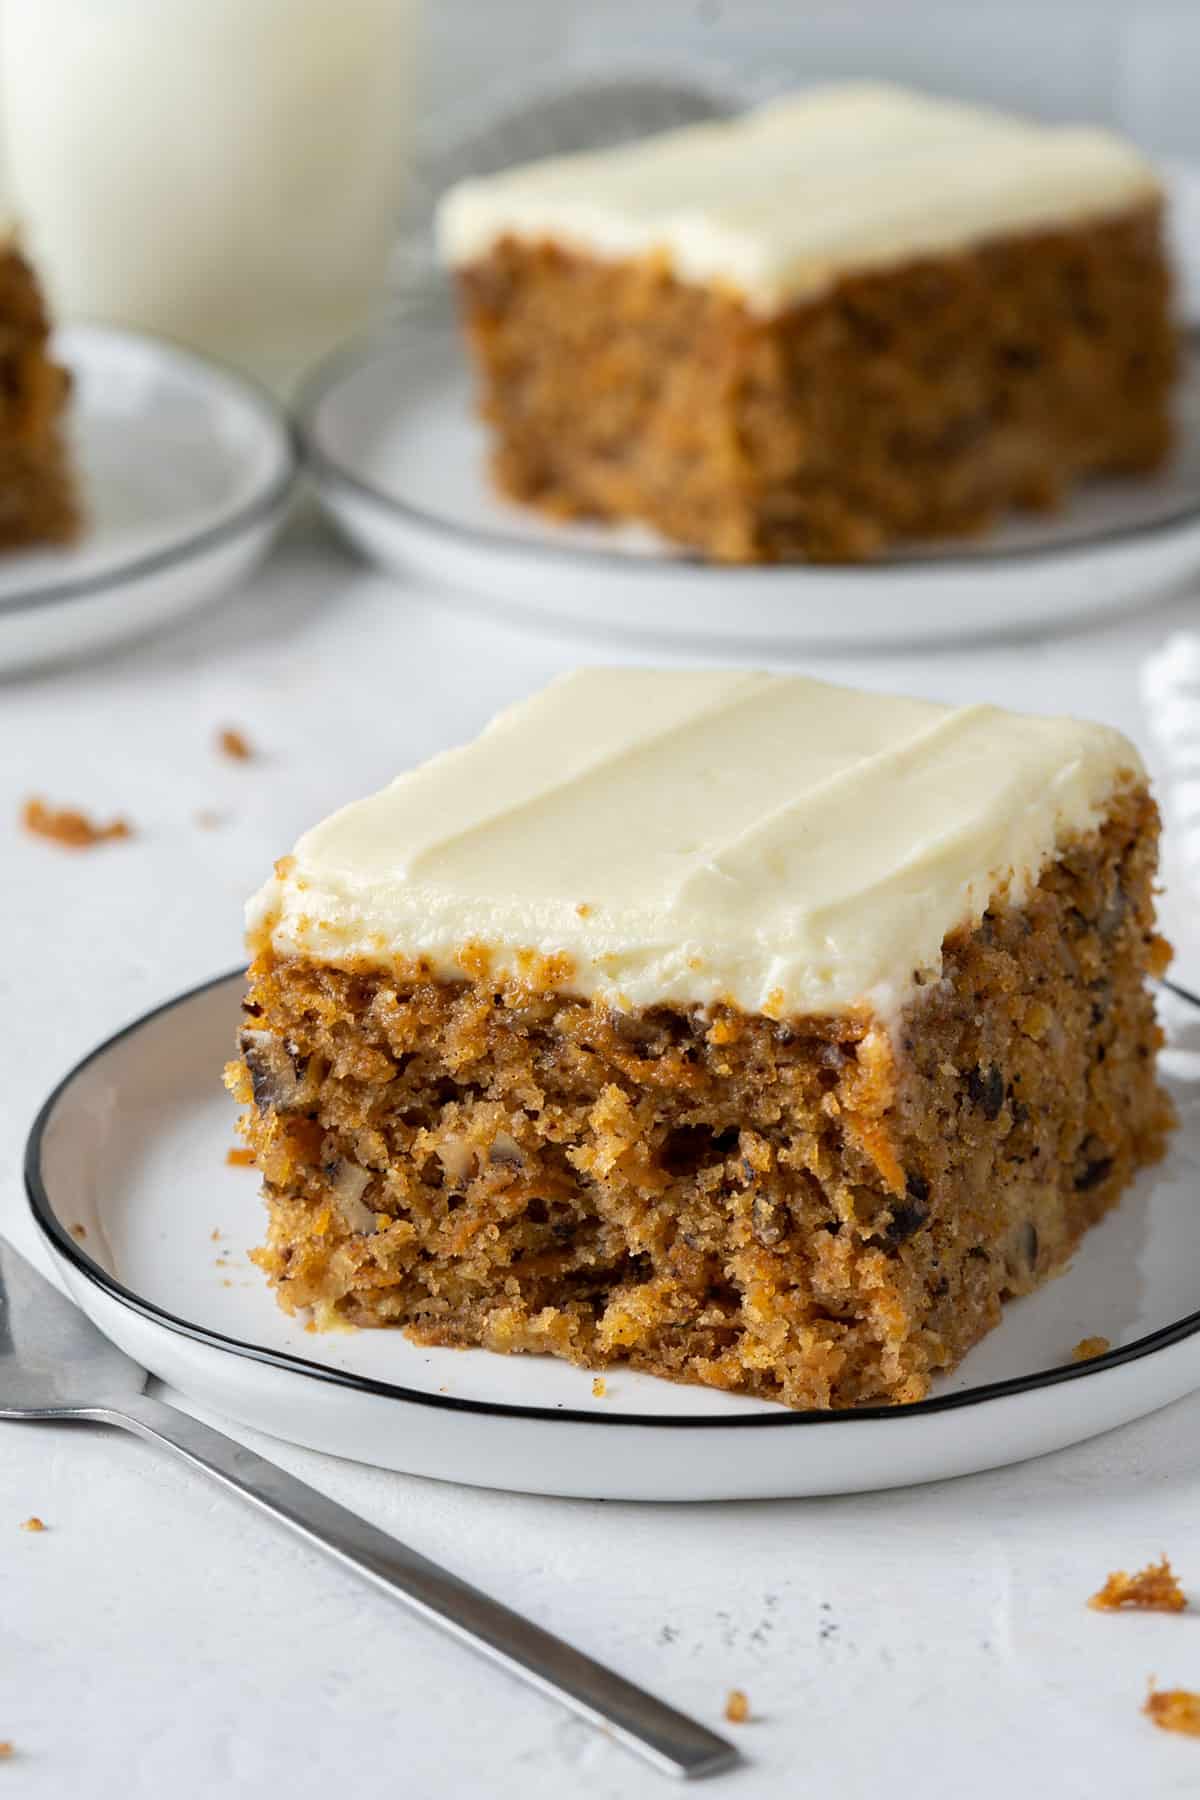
(1153, 1589)
(1174, 1709)
(737, 1707)
(1088, 1347)
(234, 744)
(73, 830)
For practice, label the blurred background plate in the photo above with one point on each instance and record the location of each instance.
(389, 432)
(185, 469)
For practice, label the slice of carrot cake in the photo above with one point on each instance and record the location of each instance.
(755, 1031)
(849, 317)
(37, 494)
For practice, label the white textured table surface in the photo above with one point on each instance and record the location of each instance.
(159, 1638)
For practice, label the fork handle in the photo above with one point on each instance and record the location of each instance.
(673, 1743)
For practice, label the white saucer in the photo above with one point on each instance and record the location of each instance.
(185, 469)
(389, 432)
(132, 1146)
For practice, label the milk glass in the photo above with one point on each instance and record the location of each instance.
(224, 172)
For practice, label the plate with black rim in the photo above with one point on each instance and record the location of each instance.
(389, 433)
(185, 469)
(150, 1226)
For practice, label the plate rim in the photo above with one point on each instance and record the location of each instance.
(259, 508)
(64, 1245)
(327, 469)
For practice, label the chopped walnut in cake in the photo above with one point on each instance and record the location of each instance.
(1174, 1709)
(73, 830)
(1153, 1589)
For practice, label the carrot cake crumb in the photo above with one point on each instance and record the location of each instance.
(208, 820)
(79, 1231)
(599, 1387)
(1088, 1347)
(238, 1158)
(737, 1707)
(1174, 1709)
(233, 744)
(6, 1747)
(1153, 1589)
(63, 825)
(33, 1523)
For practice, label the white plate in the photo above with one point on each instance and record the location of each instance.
(389, 432)
(185, 469)
(132, 1146)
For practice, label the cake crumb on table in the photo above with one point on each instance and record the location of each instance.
(599, 1387)
(1174, 1709)
(737, 1707)
(240, 1158)
(33, 1523)
(72, 829)
(1153, 1589)
(234, 744)
(1088, 1347)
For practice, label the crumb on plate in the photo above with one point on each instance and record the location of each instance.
(33, 1523)
(208, 820)
(73, 830)
(240, 1157)
(78, 1231)
(1153, 1589)
(599, 1387)
(6, 1746)
(1088, 1347)
(737, 1707)
(1174, 1709)
(234, 744)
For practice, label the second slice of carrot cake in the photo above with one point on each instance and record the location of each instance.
(850, 317)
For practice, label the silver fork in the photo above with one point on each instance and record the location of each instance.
(55, 1364)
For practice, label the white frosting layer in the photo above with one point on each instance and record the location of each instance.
(780, 202)
(773, 841)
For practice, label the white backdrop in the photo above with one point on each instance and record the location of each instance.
(1135, 65)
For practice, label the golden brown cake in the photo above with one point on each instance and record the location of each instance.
(37, 495)
(753, 1031)
(849, 318)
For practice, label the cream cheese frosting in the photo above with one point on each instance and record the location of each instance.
(697, 837)
(778, 203)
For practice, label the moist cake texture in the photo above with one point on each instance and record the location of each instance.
(37, 495)
(755, 1032)
(850, 317)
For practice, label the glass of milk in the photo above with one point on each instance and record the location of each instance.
(227, 173)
